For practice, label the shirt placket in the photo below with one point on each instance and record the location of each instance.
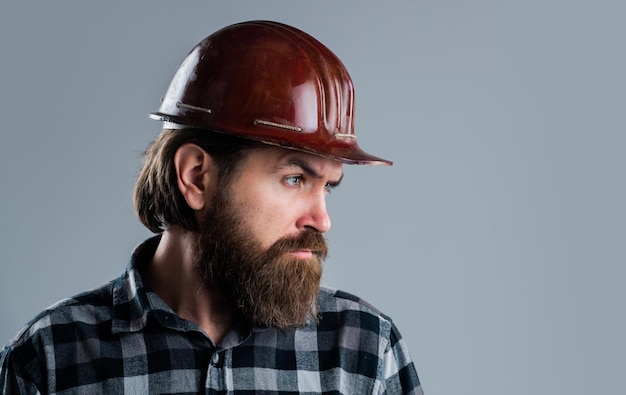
(216, 377)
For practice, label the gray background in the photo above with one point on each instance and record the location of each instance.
(496, 242)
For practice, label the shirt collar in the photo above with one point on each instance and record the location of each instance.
(134, 304)
(131, 305)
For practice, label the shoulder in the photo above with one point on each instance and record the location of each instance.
(31, 356)
(335, 300)
(350, 314)
(88, 308)
(338, 308)
(368, 336)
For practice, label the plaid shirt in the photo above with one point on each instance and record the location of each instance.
(122, 338)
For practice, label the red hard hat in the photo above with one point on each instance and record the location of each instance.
(269, 82)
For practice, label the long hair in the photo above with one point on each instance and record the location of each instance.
(158, 201)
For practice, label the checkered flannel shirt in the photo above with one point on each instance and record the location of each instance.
(122, 338)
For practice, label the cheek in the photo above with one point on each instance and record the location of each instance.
(266, 214)
(271, 215)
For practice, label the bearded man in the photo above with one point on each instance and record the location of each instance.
(226, 298)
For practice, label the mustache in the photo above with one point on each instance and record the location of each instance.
(307, 240)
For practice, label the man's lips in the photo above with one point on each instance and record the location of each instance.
(302, 253)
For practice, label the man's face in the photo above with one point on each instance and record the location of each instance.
(261, 242)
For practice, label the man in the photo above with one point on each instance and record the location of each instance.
(258, 121)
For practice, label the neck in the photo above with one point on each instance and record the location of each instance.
(172, 276)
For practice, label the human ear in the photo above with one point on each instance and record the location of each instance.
(194, 170)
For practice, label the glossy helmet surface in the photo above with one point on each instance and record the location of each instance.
(270, 82)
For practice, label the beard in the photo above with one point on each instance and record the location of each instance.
(269, 287)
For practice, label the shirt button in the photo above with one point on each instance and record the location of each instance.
(215, 359)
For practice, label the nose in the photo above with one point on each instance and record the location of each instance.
(315, 216)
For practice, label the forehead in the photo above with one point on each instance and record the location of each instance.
(274, 159)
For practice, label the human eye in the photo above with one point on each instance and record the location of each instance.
(328, 187)
(293, 181)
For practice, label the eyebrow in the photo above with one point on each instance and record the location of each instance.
(311, 172)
